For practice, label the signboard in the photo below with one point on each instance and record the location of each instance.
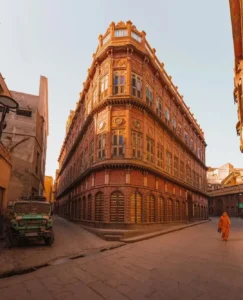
(240, 205)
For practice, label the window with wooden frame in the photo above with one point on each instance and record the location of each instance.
(186, 139)
(167, 116)
(177, 211)
(117, 207)
(86, 158)
(149, 95)
(194, 178)
(84, 214)
(161, 209)
(182, 170)
(159, 106)
(95, 96)
(179, 129)
(104, 86)
(197, 180)
(136, 85)
(118, 82)
(160, 156)
(151, 209)
(99, 207)
(168, 162)
(81, 161)
(150, 150)
(188, 172)
(89, 212)
(101, 145)
(136, 208)
(174, 123)
(137, 144)
(176, 166)
(169, 210)
(191, 144)
(91, 154)
(118, 144)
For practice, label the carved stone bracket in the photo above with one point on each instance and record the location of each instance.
(129, 51)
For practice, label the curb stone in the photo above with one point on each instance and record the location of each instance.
(162, 232)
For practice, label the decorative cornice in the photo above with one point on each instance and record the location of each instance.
(131, 165)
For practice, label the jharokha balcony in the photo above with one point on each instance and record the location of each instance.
(131, 139)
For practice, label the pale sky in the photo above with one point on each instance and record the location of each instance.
(56, 39)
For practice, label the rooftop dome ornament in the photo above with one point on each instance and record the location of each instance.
(7, 103)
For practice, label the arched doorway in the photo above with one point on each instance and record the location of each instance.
(161, 204)
(183, 211)
(150, 208)
(177, 211)
(89, 212)
(99, 207)
(169, 210)
(84, 215)
(117, 207)
(136, 208)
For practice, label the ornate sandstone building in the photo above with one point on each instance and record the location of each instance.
(236, 10)
(133, 154)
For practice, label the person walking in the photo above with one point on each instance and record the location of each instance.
(224, 226)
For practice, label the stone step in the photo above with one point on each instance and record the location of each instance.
(113, 237)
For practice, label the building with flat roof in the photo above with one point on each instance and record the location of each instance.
(134, 154)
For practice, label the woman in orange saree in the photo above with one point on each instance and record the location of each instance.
(224, 225)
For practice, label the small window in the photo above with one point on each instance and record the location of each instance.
(179, 129)
(101, 146)
(160, 156)
(118, 146)
(120, 32)
(136, 37)
(167, 116)
(119, 83)
(136, 145)
(136, 86)
(150, 149)
(104, 86)
(186, 137)
(168, 162)
(149, 95)
(174, 124)
(159, 107)
(95, 96)
(24, 112)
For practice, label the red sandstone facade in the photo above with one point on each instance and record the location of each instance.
(133, 154)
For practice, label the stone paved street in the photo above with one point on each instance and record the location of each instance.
(188, 264)
(70, 240)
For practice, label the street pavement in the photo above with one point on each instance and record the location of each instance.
(189, 264)
(70, 240)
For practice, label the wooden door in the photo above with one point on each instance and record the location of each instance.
(136, 208)
(117, 207)
(99, 207)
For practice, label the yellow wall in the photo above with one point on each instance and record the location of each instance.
(48, 193)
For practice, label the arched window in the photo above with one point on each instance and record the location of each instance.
(89, 214)
(161, 208)
(84, 215)
(117, 207)
(150, 209)
(183, 211)
(99, 207)
(169, 210)
(79, 209)
(195, 211)
(136, 208)
(177, 211)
